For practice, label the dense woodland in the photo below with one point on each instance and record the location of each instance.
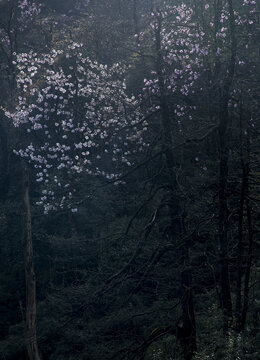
(129, 179)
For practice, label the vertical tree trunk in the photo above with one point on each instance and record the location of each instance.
(223, 176)
(250, 245)
(30, 282)
(223, 215)
(5, 161)
(244, 187)
(186, 332)
(248, 267)
(239, 254)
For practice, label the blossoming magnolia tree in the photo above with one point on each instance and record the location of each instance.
(78, 119)
(74, 118)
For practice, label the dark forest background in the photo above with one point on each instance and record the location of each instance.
(165, 264)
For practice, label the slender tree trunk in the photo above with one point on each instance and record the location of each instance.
(223, 176)
(30, 282)
(240, 253)
(250, 246)
(5, 160)
(223, 216)
(244, 188)
(248, 267)
(186, 332)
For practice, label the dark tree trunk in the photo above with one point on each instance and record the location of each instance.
(186, 331)
(248, 267)
(223, 176)
(250, 245)
(30, 281)
(244, 188)
(223, 214)
(5, 161)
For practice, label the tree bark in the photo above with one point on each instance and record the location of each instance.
(30, 281)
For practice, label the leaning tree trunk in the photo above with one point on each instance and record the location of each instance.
(186, 332)
(30, 282)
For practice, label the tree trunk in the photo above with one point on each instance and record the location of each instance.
(250, 245)
(186, 331)
(223, 216)
(30, 282)
(5, 161)
(224, 95)
(239, 254)
(244, 188)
